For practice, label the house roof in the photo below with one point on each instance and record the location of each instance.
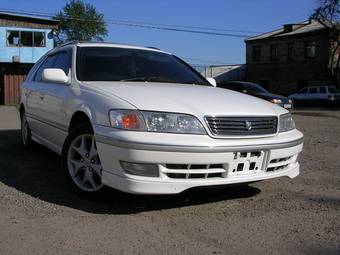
(300, 28)
(32, 17)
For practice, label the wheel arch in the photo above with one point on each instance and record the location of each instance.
(79, 117)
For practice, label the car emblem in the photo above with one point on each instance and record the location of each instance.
(248, 125)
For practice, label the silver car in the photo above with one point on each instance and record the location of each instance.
(319, 95)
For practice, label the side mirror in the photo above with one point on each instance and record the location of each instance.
(54, 75)
(212, 81)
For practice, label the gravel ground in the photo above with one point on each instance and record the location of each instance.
(39, 214)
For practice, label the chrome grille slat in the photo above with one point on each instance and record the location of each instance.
(236, 126)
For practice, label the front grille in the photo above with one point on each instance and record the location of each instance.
(242, 126)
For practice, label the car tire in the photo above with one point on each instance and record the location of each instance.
(26, 134)
(81, 163)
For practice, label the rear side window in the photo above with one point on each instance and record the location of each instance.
(322, 90)
(313, 90)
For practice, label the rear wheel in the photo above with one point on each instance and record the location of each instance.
(26, 135)
(81, 161)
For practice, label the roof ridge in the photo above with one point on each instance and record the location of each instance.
(281, 32)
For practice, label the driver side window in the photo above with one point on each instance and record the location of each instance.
(61, 60)
(48, 63)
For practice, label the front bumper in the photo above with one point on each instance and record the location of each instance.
(187, 161)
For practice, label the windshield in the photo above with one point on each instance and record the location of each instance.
(120, 64)
(254, 88)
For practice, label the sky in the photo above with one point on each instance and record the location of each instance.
(249, 15)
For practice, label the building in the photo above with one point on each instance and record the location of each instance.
(289, 58)
(23, 40)
(223, 73)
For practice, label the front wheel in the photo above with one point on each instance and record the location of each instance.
(81, 161)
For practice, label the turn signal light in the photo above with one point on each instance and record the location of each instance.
(130, 121)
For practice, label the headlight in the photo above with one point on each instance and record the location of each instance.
(276, 101)
(286, 122)
(162, 122)
(127, 119)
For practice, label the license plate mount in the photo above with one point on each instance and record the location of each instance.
(247, 163)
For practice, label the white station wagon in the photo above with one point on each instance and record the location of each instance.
(141, 120)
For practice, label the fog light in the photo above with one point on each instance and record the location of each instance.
(141, 169)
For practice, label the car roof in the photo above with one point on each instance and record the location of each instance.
(310, 87)
(109, 45)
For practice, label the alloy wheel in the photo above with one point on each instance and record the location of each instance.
(84, 164)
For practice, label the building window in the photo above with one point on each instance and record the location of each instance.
(39, 39)
(274, 52)
(257, 53)
(25, 39)
(13, 38)
(310, 49)
(291, 51)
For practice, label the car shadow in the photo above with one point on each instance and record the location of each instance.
(37, 173)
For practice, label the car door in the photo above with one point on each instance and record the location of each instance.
(323, 93)
(53, 100)
(313, 94)
(34, 94)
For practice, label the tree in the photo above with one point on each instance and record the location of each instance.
(327, 14)
(80, 21)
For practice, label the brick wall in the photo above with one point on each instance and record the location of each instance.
(285, 76)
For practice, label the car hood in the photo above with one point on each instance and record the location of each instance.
(269, 96)
(184, 98)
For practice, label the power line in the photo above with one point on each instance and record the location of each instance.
(145, 23)
(174, 28)
(198, 61)
(180, 30)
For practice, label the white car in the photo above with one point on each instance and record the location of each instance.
(141, 120)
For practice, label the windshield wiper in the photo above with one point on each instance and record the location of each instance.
(151, 79)
(136, 79)
(161, 79)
